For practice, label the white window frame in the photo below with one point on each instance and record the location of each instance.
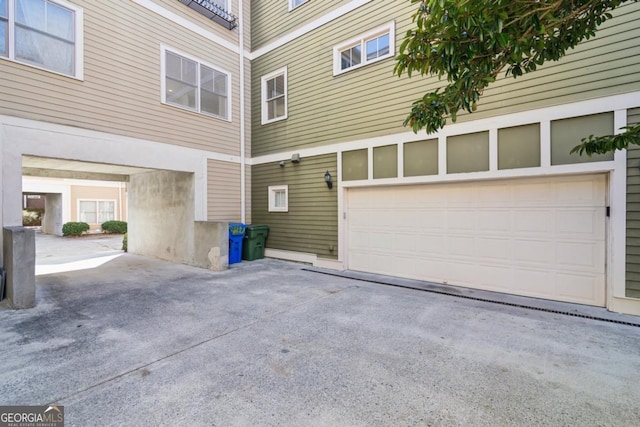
(163, 83)
(78, 18)
(293, 5)
(361, 40)
(273, 189)
(263, 96)
(96, 201)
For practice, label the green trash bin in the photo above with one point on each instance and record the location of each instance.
(255, 239)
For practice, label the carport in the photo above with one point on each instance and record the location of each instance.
(166, 196)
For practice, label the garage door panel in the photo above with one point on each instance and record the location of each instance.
(533, 252)
(492, 220)
(494, 249)
(534, 221)
(542, 237)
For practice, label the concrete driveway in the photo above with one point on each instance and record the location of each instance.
(141, 342)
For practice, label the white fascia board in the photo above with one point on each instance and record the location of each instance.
(325, 19)
(189, 25)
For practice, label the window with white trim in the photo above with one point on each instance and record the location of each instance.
(43, 33)
(274, 96)
(375, 45)
(279, 198)
(191, 84)
(96, 211)
(295, 3)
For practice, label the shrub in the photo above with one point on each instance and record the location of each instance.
(116, 227)
(124, 242)
(74, 228)
(32, 217)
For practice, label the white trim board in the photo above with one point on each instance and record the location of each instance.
(189, 25)
(335, 14)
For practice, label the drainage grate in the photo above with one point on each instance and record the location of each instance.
(510, 304)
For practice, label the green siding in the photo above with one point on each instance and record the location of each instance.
(370, 101)
(633, 212)
(311, 224)
(271, 19)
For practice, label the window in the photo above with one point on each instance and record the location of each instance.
(295, 3)
(195, 86)
(96, 211)
(43, 33)
(274, 96)
(4, 28)
(279, 198)
(373, 46)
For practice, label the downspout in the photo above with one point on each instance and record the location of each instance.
(243, 203)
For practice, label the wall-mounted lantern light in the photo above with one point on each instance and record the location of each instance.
(327, 179)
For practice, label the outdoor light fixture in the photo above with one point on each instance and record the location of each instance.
(327, 179)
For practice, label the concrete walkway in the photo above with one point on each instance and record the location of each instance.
(141, 342)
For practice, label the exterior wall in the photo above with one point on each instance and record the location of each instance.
(272, 19)
(121, 90)
(311, 223)
(118, 195)
(161, 216)
(633, 213)
(325, 109)
(223, 191)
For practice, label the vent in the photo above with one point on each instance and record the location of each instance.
(212, 11)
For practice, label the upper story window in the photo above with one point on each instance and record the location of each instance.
(365, 49)
(43, 33)
(190, 84)
(295, 3)
(274, 96)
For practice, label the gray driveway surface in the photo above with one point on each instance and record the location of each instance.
(142, 342)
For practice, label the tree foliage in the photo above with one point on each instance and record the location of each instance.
(470, 42)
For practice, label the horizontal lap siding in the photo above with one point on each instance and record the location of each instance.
(223, 191)
(121, 91)
(371, 101)
(272, 19)
(633, 212)
(311, 225)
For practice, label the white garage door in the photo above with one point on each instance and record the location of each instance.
(540, 237)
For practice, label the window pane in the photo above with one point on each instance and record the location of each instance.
(351, 57)
(3, 8)
(206, 78)
(275, 87)
(60, 22)
(31, 13)
(189, 71)
(88, 212)
(219, 83)
(378, 47)
(106, 211)
(173, 66)
(279, 200)
(275, 108)
(44, 50)
(3, 38)
(213, 103)
(181, 94)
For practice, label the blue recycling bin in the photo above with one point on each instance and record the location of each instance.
(236, 234)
